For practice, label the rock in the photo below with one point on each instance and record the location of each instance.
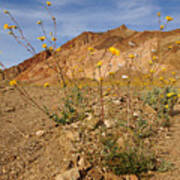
(110, 176)
(10, 109)
(120, 142)
(131, 177)
(72, 174)
(40, 133)
(149, 110)
(73, 135)
(132, 44)
(89, 116)
(108, 124)
(83, 164)
(136, 114)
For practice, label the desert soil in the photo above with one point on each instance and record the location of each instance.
(32, 147)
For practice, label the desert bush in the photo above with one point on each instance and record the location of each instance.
(162, 100)
(73, 108)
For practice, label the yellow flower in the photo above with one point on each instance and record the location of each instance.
(178, 42)
(13, 83)
(170, 47)
(6, 26)
(6, 12)
(161, 27)
(80, 70)
(166, 82)
(80, 86)
(131, 56)
(161, 78)
(44, 46)
(46, 84)
(163, 69)
(100, 79)
(58, 49)
(53, 39)
(51, 48)
(169, 18)
(13, 27)
(159, 14)
(42, 38)
(150, 62)
(170, 94)
(173, 73)
(111, 73)
(172, 80)
(39, 22)
(99, 64)
(48, 3)
(178, 95)
(166, 106)
(91, 49)
(154, 58)
(114, 51)
(152, 71)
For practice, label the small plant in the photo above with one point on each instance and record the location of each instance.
(132, 160)
(73, 108)
(162, 100)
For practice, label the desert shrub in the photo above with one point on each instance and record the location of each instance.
(131, 160)
(161, 100)
(73, 108)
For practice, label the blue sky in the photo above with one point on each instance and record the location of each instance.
(75, 16)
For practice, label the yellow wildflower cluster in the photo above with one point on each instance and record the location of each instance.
(131, 56)
(13, 83)
(6, 26)
(178, 42)
(170, 94)
(53, 39)
(48, 3)
(90, 49)
(111, 73)
(154, 58)
(170, 47)
(46, 84)
(44, 46)
(100, 79)
(161, 78)
(6, 12)
(172, 80)
(39, 22)
(150, 62)
(99, 64)
(163, 69)
(161, 27)
(169, 18)
(42, 38)
(152, 71)
(51, 48)
(114, 51)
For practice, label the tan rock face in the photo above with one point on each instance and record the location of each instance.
(76, 61)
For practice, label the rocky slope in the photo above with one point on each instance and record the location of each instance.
(76, 60)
